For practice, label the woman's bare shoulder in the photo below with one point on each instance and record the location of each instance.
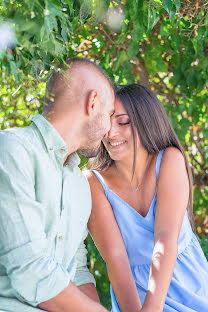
(91, 177)
(88, 174)
(173, 166)
(173, 156)
(95, 184)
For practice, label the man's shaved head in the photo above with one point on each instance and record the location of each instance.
(74, 79)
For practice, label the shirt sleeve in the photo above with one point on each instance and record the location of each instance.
(34, 276)
(82, 275)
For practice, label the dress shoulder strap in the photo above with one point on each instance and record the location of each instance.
(157, 169)
(101, 179)
(158, 162)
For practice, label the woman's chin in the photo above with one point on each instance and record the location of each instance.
(117, 156)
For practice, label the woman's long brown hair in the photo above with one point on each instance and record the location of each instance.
(149, 119)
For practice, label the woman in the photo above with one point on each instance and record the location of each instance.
(142, 218)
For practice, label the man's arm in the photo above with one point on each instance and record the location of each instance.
(90, 291)
(83, 278)
(80, 297)
(35, 277)
(72, 299)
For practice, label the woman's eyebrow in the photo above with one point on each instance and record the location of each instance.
(121, 115)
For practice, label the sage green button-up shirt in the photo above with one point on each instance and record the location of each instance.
(44, 209)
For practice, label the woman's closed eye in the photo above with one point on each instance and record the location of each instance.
(124, 123)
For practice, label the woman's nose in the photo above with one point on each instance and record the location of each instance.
(112, 132)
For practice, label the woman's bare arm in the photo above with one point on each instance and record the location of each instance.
(172, 200)
(107, 237)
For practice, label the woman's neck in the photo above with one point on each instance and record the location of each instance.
(124, 168)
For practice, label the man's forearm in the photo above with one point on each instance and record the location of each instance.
(72, 299)
(90, 290)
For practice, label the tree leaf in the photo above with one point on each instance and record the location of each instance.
(168, 5)
(14, 70)
(175, 42)
(122, 57)
(177, 4)
(138, 31)
(128, 72)
(133, 49)
(85, 10)
(64, 31)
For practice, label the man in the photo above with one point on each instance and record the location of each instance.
(44, 205)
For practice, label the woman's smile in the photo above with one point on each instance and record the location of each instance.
(116, 144)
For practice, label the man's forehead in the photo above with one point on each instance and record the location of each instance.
(111, 100)
(112, 93)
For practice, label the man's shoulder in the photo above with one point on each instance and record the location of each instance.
(16, 138)
(18, 152)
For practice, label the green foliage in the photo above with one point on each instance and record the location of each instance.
(159, 43)
(204, 244)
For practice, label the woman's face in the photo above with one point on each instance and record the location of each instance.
(119, 140)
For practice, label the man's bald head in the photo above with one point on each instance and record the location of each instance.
(72, 80)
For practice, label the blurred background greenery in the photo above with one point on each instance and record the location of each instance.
(162, 44)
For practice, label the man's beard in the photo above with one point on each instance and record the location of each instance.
(88, 152)
(92, 133)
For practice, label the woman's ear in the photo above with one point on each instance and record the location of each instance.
(91, 102)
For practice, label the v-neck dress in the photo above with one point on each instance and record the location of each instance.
(188, 290)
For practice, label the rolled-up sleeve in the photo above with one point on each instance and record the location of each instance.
(34, 276)
(82, 275)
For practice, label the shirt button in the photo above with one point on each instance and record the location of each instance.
(63, 207)
(51, 148)
(60, 238)
(62, 150)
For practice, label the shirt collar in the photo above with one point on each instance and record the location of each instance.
(51, 137)
(72, 160)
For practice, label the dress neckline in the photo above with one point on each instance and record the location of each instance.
(107, 189)
(134, 210)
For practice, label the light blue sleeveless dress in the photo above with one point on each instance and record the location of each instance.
(188, 290)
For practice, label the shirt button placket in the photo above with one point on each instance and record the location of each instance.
(60, 238)
(59, 248)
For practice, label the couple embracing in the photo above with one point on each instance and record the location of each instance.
(135, 199)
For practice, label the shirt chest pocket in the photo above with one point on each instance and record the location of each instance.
(48, 186)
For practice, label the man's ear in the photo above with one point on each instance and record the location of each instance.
(91, 102)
